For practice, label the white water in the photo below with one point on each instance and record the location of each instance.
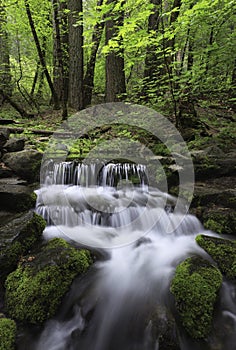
(141, 240)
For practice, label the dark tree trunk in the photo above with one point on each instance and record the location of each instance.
(76, 55)
(5, 73)
(60, 53)
(18, 108)
(115, 73)
(89, 76)
(41, 56)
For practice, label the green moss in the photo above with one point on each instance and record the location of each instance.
(7, 334)
(222, 251)
(220, 222)
(35, 290)
(195, 286)
(27, 238)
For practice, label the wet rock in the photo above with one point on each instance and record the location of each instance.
(35, 290)
(15, 196)
(222, 251)
(5, 171)
(220, 220)
(14, 145)
(4, 136)
(25, 164)
(17, 237)
(195, 287)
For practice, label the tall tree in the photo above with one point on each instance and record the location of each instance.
(5, 73)
(41, 56)
(76, 54)
(89, 76)
(115, 66)
(60, 53)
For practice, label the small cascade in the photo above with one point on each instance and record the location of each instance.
(110, 209)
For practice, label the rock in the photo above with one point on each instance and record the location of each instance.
(222, 251)
(4, 136)
(212, 163)
(7, 334)
(25, 164)
(15, 196)
(220, 220)
(35, 290)
(14, 145)
(17, 237)
(195, 287)
(219, 192)
(5, 171)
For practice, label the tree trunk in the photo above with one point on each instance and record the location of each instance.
(41, 56)
(115, 73)
(5, 73)
(76, 55)
(60, 53)
(152, 60)
(89, 76)
(18, 108)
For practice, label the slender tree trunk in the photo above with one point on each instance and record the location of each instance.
(89, 76)
(152, 60)
(18, 108)
(115, 73)
(5, 73)
(41, 56)
(76, 55)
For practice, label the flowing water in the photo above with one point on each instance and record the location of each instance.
(138, 238)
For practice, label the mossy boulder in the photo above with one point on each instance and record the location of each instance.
(17, 238)
(195, 287)
(7, 334)
(220, 220)
(222, 251)
(35, 290)
(25, 164)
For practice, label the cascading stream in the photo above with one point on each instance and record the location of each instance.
(141, 239)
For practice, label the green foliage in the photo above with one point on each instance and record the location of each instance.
(35, 290)
(222, 251)
(7, 334)
(195, 286)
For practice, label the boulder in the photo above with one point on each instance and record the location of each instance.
(14, 145)
(5, 171)
(17, 237)
(4, 136)
(222, 251)
(195, 287)
(15, 196)
(25, 164)
(35, 290)
(7, 334)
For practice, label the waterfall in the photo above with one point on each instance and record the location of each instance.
(139, 239)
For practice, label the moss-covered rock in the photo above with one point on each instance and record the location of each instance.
(7, 334)
(222, 251)
(17, 238)
(220, 220)
(195, 286)
(35, 290)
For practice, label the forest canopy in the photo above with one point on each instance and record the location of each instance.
(69, 53)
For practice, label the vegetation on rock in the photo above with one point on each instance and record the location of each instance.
(195, 286)
(35, 290)
(7, 334)
(222, 251)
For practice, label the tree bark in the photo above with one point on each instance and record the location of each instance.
(152, 60)
(89, 76)
(18, 108)
(115, 73)
(41, 56)
(60, 53)
(5, 73)
(76, 55)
